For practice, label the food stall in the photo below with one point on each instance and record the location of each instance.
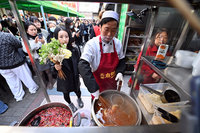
(139, 101)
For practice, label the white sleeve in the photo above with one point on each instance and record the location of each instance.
(119, 48)
(88, 52)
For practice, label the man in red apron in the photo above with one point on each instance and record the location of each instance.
(102, 62)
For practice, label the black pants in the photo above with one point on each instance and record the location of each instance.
(67, 97)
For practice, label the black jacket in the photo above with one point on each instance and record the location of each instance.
(9, 54)
(70, 68)
(49, 36)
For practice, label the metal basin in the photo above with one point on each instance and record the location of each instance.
(29, 116)
(128, 104)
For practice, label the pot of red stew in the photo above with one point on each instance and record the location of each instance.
(49, 115)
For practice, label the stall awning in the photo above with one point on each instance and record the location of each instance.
(50, 7)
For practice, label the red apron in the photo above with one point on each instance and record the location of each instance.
(105, 73)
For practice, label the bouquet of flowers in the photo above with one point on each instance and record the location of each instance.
(55, 52)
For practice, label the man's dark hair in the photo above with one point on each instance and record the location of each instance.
(68, 21)
(4, 15)
(34, 18)
(106, 20)
(52, 18)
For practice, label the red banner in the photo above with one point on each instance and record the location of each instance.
(70, 4)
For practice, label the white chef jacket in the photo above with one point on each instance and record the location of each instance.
(92, 53)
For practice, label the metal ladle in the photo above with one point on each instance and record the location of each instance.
(167, 96)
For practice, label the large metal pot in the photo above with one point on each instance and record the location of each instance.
(128, 104)
(28, 117)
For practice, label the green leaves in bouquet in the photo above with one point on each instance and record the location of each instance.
(48, 49)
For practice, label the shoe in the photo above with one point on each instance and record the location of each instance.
(80, 102)
(73, 108)
(18, 100)
(21, 97)
(33, 91)
(3, 107)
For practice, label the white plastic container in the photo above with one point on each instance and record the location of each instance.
(150, 100)
(185, 58)
(157, 118)
(196, 64)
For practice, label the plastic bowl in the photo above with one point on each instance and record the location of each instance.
(185, 58)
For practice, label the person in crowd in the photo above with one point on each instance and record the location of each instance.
(94, 22)
(69, 25)
(102, 62)
(26, 18)
(13, 66)
(37, 23)
(4, 17)
(70, 69)
(60, 20)
(52, 18)
(9, 24)
(42, 23)
(77, 27)
(0, 26)
(12, 24)
(51, 29)
(4, 21)
(95, 30)
(78, 38)
(3, 107)
(148, 75)
(86, 31)
(35, 44)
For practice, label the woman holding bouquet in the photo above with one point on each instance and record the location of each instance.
(71, 83)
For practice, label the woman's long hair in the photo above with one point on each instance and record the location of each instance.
(59, 28)
(26, 29)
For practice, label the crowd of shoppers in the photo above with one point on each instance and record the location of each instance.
(15, 65)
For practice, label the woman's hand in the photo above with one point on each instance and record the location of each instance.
(39, 40)
(73, 34)
(58, 67)
(36, 39)
(156, 77)
(78, 34)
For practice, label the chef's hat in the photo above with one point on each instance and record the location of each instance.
(110, 14)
